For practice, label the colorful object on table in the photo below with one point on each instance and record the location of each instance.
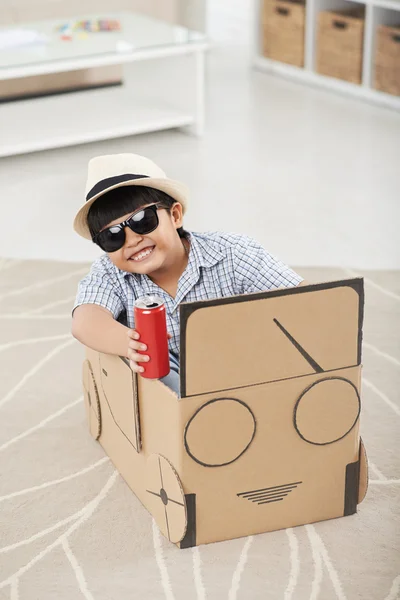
(87, 26)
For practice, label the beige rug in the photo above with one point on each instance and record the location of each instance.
(69, 526)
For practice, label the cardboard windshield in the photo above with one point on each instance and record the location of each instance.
(270, 336)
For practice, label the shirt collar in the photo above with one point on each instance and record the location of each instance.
(205, 253)
(199, 257)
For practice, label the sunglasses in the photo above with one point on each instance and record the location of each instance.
(141, 222)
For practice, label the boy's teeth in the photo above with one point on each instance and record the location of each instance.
(142, 254)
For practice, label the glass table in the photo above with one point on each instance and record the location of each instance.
(163, 83)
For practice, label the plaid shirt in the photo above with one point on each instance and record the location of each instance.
(220, 265)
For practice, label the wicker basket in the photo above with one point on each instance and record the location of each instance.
(283, 31)
(340, 44)
(387, 60)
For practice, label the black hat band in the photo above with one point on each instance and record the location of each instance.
(109, 182)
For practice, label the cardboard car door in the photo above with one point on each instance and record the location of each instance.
(118, 384)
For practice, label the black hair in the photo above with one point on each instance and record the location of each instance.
(123, 200)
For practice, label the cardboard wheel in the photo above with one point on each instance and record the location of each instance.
(327, 410)
(165, 498)
(92, 402)
(363, 485)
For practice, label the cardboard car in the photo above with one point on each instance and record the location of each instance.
(266, 433)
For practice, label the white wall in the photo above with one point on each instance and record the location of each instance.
(229, 21)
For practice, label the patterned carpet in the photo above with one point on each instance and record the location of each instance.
(70, 527)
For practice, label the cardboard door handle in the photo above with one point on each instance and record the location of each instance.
(282, 11)
(396, 38)
(340, 24)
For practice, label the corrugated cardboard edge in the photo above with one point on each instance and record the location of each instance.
(187, 309)
(364, 477)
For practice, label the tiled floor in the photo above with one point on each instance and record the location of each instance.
(313, 176)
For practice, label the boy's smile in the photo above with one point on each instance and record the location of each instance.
(142, 254)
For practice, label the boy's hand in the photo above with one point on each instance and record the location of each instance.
(134, 344)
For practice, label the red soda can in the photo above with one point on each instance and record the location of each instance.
(151, 324)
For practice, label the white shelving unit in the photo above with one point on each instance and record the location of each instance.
(377, 12)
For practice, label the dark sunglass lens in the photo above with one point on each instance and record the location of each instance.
(111, 239)
(144, 221)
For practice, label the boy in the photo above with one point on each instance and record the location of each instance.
(135, 214)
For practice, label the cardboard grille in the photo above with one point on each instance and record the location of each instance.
(258, 338)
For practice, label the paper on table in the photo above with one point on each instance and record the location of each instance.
(14, 38)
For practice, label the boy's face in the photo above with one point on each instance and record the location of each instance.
(152, 253)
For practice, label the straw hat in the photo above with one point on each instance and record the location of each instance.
(108, 172)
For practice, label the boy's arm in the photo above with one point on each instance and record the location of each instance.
(97, 306)
(95, 327)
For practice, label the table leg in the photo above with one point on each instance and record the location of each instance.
(197, 128)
